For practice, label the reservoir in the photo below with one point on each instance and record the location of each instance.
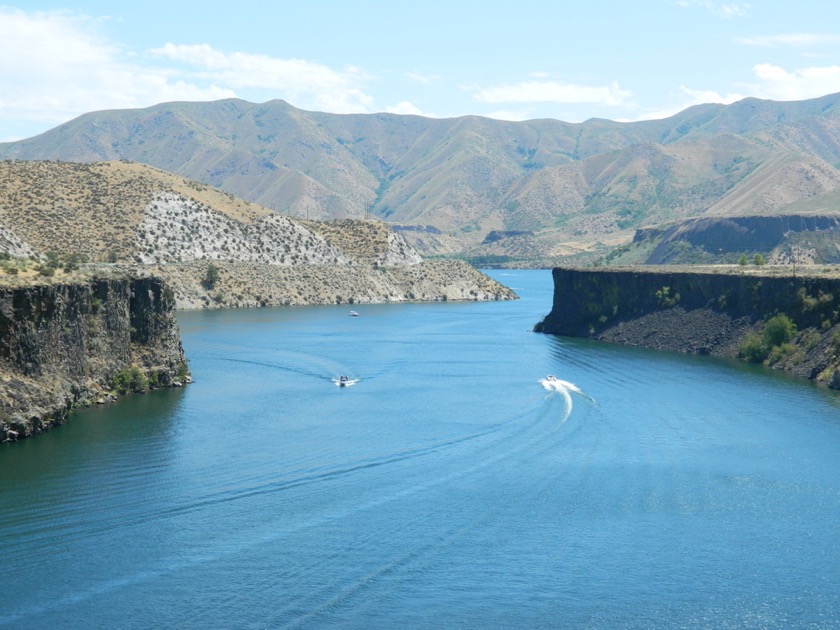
(447, 488)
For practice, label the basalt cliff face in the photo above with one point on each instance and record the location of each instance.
(704, 311)
(71, 342)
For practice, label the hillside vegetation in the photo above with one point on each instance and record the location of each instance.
(577, 188)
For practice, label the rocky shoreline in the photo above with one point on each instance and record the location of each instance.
(77, 342)
(247, 285)
(704, 311)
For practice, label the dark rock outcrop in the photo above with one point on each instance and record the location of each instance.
(702, 312)
(63, 344)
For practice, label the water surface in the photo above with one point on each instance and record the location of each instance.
(447, 488)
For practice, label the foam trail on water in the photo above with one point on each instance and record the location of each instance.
(559, 385)
(565, 389)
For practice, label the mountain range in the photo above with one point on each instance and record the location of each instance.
(537, 190)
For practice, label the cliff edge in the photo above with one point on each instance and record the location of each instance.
(79, 341)
(707, 310)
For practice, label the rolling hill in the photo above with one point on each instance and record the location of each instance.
(133, 217)
(576, 188)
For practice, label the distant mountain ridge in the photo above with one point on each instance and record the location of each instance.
(576, 186)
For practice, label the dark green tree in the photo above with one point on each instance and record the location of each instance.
(211, 276)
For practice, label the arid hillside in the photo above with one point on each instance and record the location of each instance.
(215, 249)
(578, 188)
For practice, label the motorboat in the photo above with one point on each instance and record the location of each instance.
(345, 381)
(550, 377)
(353, 314)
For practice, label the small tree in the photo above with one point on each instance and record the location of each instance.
(743, 260)
(211, 276)
(758, 260)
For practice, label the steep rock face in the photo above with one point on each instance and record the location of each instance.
(62, 344)
(698, 312)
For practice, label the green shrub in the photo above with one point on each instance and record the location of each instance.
(759, 260)
(778, 330)
(753, 349)
(130, 380)
(811, 339)
(53, 259)
(772, 344)
(183, 371)
(777, 353)
(665, 299)
(835, 341)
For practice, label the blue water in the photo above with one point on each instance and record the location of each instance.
(448, 488)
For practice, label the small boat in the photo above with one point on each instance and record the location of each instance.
(551, 377)
(353, 314)
(345, 381)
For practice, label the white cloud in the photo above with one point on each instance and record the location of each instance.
(699, 97)
(779, 84)
(553, 92)
(511, 115)
(691, 98)
(404, 107)
(773, 83)
(725, 10)
(733, 10)
(791, 39)
(308, 84)
(54, 65)
(425, 79)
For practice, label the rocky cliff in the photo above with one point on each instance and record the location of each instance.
(76, 341)
(706, 311)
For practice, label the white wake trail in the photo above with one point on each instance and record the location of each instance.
(565, 389)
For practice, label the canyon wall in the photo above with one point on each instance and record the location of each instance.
(704, 311)
(73, 342)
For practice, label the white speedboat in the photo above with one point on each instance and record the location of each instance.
(345, 381)
(353, 314)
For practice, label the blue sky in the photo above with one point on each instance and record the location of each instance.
(511, 60)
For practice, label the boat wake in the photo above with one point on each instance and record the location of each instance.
(553, 385)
